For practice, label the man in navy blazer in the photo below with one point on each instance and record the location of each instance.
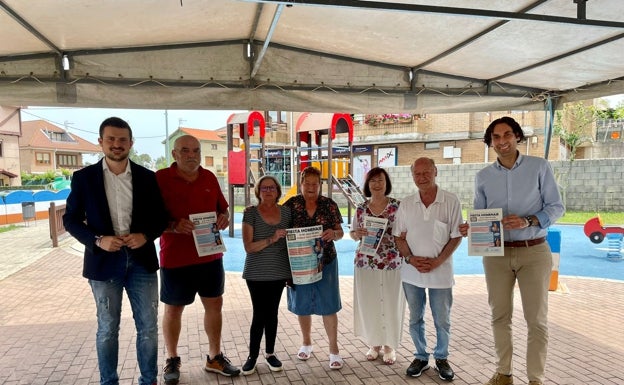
(116, 211)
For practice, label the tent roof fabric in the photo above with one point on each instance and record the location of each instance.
(311, 55)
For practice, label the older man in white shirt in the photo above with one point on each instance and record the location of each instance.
(426, 233)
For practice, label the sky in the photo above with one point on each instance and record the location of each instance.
(615, 100)
(148, 126)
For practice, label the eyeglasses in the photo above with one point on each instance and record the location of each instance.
(268, 188)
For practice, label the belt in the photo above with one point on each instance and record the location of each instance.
(527, 243)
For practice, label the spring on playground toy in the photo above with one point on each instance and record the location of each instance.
(614, 243)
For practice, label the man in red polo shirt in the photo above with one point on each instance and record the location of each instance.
(187, 188)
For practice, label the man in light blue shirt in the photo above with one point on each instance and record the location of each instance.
(525, 188)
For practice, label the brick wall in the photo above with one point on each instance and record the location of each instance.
(586, 185)
(472, 151)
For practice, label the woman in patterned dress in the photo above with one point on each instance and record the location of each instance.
(378, 299)
(322, 297)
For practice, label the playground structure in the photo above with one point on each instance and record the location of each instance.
(334, 162)
(597, 232)
(239, 162)
(310, 150)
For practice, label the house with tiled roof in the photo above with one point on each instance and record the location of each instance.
(44, 146)
(213, 147)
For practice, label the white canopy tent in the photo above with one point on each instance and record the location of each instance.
(350, 56)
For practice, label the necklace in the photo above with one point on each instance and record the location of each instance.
(385, 206)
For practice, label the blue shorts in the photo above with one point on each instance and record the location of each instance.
(178, 286)
(318, 298)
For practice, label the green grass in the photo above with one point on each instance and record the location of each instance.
(580, 217)
(4, 229)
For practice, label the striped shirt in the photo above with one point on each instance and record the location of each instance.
(270, 263)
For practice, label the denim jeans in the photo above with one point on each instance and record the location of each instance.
(142, 290)
(440, 301)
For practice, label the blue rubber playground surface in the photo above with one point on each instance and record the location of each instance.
(578, 255)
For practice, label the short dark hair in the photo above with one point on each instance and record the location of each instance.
(373, 173)
(115, 122)
(310, 171)
(515, 126)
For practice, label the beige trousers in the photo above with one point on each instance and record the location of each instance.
(531, 268)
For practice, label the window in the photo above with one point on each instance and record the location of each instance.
(432, 145)
(225, 164)
(209, 160)
(42, 157)
(214, 147)
(0, 148)
(59, 136)
(67, 160)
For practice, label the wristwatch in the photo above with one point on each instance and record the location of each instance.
(98, 240)
(408, 257)
(529, 220)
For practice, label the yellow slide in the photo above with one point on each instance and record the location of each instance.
(290, 193)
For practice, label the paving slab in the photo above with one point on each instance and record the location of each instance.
(48, 325)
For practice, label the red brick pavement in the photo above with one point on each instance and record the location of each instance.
(47, 329)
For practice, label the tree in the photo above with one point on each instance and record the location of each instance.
(142, 159)
(161, 162)
(37, 179)
(618, 112)
(574, 125)
(607, 112)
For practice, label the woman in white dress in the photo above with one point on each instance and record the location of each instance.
(378, 299)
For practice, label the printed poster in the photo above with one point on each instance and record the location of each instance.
(361, 166)
(305, 251)
(206, 235)
(375, 230)
(387, 157)
(485, 235)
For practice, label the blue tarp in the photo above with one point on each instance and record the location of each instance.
(18, 196)
(63, 194)
(44, 195)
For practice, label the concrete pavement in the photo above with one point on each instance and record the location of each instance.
(25, 245)
(48, 324)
